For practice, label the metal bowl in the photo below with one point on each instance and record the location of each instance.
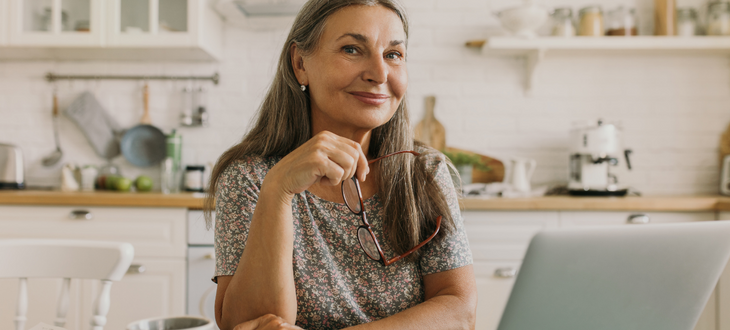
(172, 323)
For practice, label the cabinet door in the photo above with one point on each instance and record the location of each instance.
(56, 22)
(494, 284)
(504, 235)
(158, 23)
(157, 291)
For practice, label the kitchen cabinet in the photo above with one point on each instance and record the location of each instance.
(111, 29)
(70, 23)
(159, 239)
(499, 241)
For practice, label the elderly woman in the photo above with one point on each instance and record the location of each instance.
(329, 215)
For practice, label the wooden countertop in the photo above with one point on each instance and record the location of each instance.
(551, 203)
(101, 198)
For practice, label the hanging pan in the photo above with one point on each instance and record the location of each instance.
(144, 145)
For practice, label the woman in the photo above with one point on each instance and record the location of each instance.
(288, 244)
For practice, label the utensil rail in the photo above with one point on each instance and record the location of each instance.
(51, 77)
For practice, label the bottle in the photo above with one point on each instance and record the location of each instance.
(665, 17)
(171, 165)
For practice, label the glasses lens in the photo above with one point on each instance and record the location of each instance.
(368, 243)
(352, 198)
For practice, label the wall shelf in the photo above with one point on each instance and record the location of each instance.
(535, 50)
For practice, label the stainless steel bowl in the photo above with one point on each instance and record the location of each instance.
(172, 323)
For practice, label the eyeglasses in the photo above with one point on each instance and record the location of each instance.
(353, 199)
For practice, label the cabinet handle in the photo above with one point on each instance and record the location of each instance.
(209, 256)
(638, 219)
(136, 269)
(505, 272)
(81, 215)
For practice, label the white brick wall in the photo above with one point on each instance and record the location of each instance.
(673, 108)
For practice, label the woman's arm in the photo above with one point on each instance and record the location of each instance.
(264, 279)
(451, 302)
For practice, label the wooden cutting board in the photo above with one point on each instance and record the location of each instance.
(429, 130)
(495, 174)
(725, 144)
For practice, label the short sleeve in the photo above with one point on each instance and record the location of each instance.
(453, 250)
(236, 197)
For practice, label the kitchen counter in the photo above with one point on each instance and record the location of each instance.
(565, 203)
(101, 198)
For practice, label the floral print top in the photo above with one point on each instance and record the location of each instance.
(337, 285)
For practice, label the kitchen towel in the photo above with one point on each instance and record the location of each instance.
(102, 131)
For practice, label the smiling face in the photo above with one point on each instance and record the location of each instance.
(357, 76)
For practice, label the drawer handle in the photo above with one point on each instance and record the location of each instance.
(81, 215)
(505, 272)
(209, 256)
(638, 219)
(136, 269)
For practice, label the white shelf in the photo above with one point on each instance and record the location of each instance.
(535, 50)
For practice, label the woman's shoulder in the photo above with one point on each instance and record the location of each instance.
(252, 167)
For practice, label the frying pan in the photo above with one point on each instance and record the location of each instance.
(144, 145)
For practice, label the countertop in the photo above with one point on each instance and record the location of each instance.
(550, 203)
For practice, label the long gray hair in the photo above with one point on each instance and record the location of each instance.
(411, 197)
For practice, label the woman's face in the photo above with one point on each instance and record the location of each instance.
(357, 76)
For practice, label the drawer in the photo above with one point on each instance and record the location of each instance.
(504, 235)
(494, 285)
(154, 232)
(198, 234)
(580, 218)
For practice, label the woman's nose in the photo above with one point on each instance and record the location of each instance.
(377, 71)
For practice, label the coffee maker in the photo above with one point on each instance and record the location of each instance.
(595, 149)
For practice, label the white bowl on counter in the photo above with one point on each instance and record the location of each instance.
(523, 21)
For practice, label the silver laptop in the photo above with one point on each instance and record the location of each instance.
(639, 277)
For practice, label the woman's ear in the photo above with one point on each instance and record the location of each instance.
(297, 61)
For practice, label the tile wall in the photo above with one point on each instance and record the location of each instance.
(673, 108)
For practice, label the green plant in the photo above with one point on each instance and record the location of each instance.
(460, 158)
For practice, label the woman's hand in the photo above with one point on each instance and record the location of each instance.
(326, 158)
(266, 322)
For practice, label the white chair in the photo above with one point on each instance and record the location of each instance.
(67, 259)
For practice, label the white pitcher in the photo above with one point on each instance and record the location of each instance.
(522, 170)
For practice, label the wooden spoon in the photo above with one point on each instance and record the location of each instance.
(146, 120)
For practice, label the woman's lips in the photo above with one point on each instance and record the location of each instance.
(370, 98)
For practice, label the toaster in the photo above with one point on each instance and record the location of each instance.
(12, 168)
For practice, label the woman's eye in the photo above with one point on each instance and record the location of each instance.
(349, 50)
(393, 56)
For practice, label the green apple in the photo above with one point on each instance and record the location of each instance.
(123, 184)
(110, 183)
(143, 183)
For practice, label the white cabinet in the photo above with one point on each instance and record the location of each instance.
(110, 29)
(56, 22)
(159, 239)
(499, 241)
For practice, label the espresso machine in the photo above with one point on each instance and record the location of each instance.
(595, 149)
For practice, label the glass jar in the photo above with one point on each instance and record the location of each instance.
(718, 19)
(591, 21)
(687, 22)
(563, 22)
(621, 22)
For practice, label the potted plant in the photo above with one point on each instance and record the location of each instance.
(465, 163)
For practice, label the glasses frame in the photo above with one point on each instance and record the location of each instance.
(366, 225)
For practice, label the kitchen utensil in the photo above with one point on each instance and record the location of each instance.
(88, 177)
(524, 20)
(725, 176)
(68, 178)
(144, 144)
(12, 168)
(665, 17)
(100, 129)
(522, 170)
(173, 323)
(56, 155)
(429, 130)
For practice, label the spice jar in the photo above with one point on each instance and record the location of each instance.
(591, 21)
(718, 19)
(621, 22)
(194, 178)
(686, 22)
(563, 22)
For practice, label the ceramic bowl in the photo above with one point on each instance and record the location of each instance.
(523, 21)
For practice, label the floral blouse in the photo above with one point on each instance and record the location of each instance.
(337, 285)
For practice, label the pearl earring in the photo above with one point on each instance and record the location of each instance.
(304, 88)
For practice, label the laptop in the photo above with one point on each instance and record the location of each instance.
(641, 277)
